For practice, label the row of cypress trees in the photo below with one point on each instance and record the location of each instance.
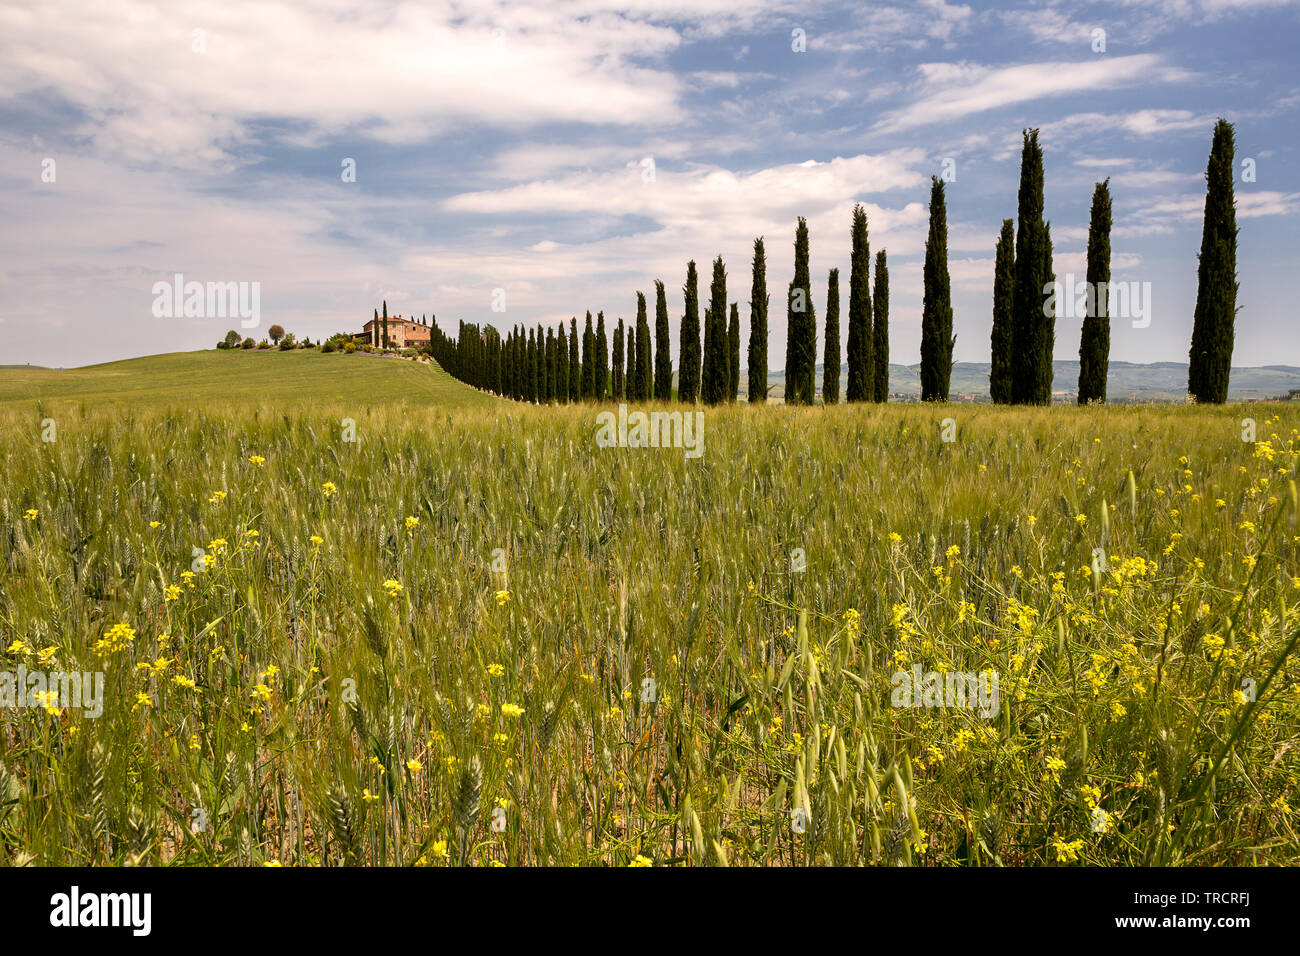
(548, 366)
(1024, 315)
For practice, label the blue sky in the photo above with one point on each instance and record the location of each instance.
(502, 146)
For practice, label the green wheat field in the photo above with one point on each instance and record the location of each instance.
(470, 636)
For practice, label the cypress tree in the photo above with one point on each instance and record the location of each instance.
(629, 353)
(1002, 372)
(1210, 357)
(517, 367)
(634, 351)
(385, 323)
(936, 308)
(547, 349)
(688, 367)
(801, 326)
(619, 379)
(506, 367)
(602, 359)
(1094, 342)
(518, 349)
(713, 382)
(532, 367)
(862, 366)
(708, 323)
(632, 359)
(553, 367)
(644, 372)
(758, 302)
(561, 366)
(831, 356)
(539, 394)
(374, 333)
(524, 375)
(733, 354)
(880, 331)
(663, 381)
(1032, 332)
(588, 361)
(575, 366)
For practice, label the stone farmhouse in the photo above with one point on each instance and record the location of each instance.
(402, 333)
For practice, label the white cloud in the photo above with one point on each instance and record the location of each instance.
(679, 198)
(952, 91)
(398, 72)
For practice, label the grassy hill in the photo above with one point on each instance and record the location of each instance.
(298, 378)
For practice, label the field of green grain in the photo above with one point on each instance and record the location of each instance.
(473, 637)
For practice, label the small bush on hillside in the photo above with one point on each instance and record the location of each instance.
(350, 347)
(249, 343)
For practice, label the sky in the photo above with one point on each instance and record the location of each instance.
(553, 158)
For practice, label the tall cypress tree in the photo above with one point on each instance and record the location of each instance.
(634, 350)
(630, 352)
(880, 330)
(708, 324)
(1047, 334)
(633, 357)
(733, 354)
(663, 380)
(936, 308)
(507, 364)
(588, 361)
(1210, 357)
(619, 380)
(385, 323)
(561, 367)
(758, 302)
(801, 326)
(1032, 332)
(644, 370)
(1002, 371)
(532, 367)
(521, 371)
(374, 329)
(602, 359)
(713, 382)
(541, 367)
(1094, 341)
(549, 391)
(862, 366)
(688, 368)
(521, 364)
(831, 355)
(575, 365)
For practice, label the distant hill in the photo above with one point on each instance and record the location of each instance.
(1127, 382)
(269, 378)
